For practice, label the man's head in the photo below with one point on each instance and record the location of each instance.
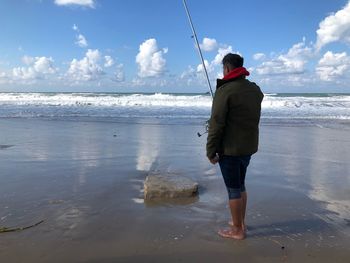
(231, 61)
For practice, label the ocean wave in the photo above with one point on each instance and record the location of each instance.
(104, 100)
(329, 106)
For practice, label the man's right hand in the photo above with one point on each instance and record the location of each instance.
(214, 160)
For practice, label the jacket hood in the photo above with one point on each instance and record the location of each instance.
(234, 74)
(237, 72)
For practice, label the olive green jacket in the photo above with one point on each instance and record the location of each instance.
(234, 122)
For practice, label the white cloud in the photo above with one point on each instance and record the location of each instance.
(4, 79)
(109, 62)
(200, 67)
(87, 68)
(81, 41)
(195, 76)
(150, 59)
(23, 73)
(189, 73)
(293, 62)
(119, 75)
(259, 56)
(148, 82)
(335, 27)
(38, 68)
(44, 65)
(300, 50)
(332, 65)
(208, 44)
(28, 60)
(222, 51)
(281, 65)
(87, 3)
(75, 28)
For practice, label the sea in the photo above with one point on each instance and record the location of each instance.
(277, 108)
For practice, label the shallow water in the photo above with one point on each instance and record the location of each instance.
(84, 178)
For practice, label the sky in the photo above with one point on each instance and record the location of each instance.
(146, 45)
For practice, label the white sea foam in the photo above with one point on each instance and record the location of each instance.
(321, 106)
(105, 100)
(307, 106)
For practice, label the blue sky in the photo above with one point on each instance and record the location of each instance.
(146, 46)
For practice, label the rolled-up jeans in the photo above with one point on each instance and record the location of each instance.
(233, 169)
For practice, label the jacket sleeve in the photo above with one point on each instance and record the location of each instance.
(217, 123)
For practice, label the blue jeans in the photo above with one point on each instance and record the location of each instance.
(233, 169)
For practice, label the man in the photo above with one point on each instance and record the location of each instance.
(233, 135)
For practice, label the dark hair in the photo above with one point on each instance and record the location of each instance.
(233, 60)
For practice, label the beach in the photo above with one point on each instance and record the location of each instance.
(107, 108)
(84, 178)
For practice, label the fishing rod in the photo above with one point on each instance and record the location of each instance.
(198, 47)
(201, 57)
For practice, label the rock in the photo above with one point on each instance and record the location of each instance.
(169, 185)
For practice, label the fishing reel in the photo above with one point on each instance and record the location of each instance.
(206, 129)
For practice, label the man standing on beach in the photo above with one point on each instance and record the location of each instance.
(233, 135)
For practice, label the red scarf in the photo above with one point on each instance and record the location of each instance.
(237, 72)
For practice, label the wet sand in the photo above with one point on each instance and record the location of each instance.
(84, 179)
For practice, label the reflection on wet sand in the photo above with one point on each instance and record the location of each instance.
(86, 184)
(148, 149)
(330, 178)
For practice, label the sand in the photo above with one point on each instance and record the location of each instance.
(84, 179)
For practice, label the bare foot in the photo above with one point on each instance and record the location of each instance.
(237, 234)
(244, 227)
